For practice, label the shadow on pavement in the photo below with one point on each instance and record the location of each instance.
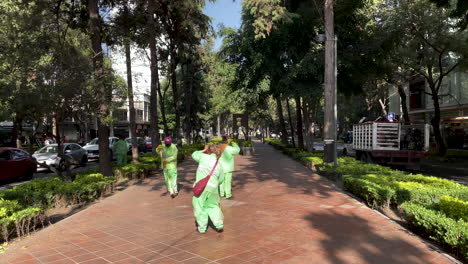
(350, 238)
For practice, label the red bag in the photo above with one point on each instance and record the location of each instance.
(201, 184)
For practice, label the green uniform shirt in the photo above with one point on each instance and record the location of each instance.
(227, 158)
(206, 163)
(170, 154)
(121, 147)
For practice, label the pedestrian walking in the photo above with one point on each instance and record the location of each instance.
(227, 163)
(168, 153)
(121, 148)
(206, 204)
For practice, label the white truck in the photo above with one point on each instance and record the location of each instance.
(391, 143)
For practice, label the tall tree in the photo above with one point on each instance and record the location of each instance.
(432, 49)
(152, 28)
(124, 25)
(103, 90)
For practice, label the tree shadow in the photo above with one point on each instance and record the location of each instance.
(270, 165)
(350, 238)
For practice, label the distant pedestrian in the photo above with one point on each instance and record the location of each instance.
(168, 153)
(121, 148)
(206, 205)
(227, 163)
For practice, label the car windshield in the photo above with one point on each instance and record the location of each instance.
(94, 142)
(48, 149)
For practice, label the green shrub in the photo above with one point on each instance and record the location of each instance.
(150, 158)
(247, 143)
(437, 226)
(374, 194)
(426, 194)
(216, 140)
(454, 207)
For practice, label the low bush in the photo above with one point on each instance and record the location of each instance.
(247, 143)
(454, 208)
(374, 194)
(453, 234)
(216, 140)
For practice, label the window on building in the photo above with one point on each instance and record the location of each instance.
(139, 115)
(416, 95)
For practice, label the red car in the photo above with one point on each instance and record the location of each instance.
(16, 164)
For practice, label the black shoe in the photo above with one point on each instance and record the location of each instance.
(174, 195)
(219, 230)
(231, 197)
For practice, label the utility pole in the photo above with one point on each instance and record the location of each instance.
(330, 86)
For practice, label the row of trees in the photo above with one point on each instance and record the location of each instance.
(54, 65)
(380, 44)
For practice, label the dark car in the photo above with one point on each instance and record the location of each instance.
(140, 143)
(149, 145)
(16, 164)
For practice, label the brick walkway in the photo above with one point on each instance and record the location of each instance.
(282, 213)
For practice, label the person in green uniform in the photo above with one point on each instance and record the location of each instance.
(121, 149)
(206, 206)
(168, 153)
(227, 162)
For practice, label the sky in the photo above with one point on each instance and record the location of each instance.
(226, 12)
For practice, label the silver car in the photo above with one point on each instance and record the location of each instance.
(93, 147)
(49, 155)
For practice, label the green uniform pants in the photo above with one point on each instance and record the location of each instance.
(225, 187)
(121, 158)
(207, 206)
(170, 176)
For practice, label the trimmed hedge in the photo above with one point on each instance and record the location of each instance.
(451, 233)
(436, 208)
(454, 207)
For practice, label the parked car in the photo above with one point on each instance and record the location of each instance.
(140, 143)
(16, 164)
(318, 146)
(48, 155)
(348, 149)
(93, 147)
(149, 145)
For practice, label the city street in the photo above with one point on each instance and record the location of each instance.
(46, 174)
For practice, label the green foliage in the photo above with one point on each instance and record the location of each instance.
(247, 143)
(440, 228)
(216, 140)
(454, 208)
(373, 193)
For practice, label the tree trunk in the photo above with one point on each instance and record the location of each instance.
(131, 104)
(308, 124)
(17, 132)
(404, 106)
(279, 108)
(154, 131)
(188, 103)
(290, 123)
(175, 94)
(435, 121)
(218, 129)
(300, 136)
(162, 107)
(103, 93)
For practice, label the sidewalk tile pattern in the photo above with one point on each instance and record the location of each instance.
(281, 213)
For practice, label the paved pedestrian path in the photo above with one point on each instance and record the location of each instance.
(281, 213)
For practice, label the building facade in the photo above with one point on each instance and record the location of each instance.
(453, 97)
